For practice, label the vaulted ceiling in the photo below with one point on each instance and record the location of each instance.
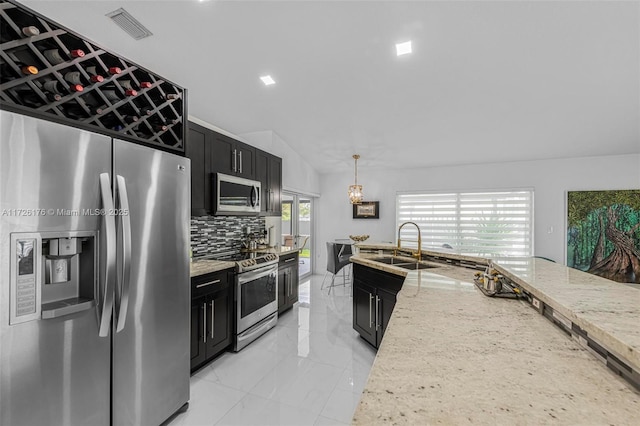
(486, 82)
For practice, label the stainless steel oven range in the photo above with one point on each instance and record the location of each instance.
(256, 296)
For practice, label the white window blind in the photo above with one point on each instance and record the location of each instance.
(475, 223)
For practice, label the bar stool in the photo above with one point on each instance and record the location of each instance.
(337, 259)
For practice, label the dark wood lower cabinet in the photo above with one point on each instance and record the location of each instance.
(363, 311)
(211, 316)
(287, 281)
(374, 297)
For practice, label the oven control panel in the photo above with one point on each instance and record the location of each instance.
(257, 262)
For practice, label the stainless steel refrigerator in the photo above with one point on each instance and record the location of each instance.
(94, 275)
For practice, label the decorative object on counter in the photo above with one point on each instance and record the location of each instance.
(355, 190)
(492, 283)
(359, 238)
(603, 235)
(367, 210)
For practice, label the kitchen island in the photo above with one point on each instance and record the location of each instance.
(452, 355)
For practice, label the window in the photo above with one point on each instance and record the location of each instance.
(474, 223)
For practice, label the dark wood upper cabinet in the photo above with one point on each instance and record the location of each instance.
(232, 157)
(275, 186)
(269, 173)
(197, 149)
(212, 152)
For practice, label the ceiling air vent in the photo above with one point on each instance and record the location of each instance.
(129, 24)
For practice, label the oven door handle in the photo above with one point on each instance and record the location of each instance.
(245, 277)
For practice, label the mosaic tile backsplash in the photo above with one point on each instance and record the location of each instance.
(211, 235)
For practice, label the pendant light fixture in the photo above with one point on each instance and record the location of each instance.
(355, 190)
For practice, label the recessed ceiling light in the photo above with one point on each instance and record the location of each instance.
(403, 48)
(267, 80)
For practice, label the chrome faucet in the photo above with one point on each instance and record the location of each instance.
(418, 253)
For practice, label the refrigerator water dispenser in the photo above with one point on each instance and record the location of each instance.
(52, 274)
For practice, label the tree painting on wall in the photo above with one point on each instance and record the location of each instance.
(603, 236)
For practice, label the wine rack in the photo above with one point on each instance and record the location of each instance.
(50, 72)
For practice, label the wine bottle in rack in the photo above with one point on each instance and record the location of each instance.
(52, 86)
(96, 110)
(130, 119)
(76, 87)
(27, 69)
(159, 99)
(94, 75)
(128, 88)
(73, 77)
(146, 110)
(54, 57)
(115, 70)
(76, 83)
(53, 97)
(145, 84)
(157, 124)
(112, 92)
(30, 31)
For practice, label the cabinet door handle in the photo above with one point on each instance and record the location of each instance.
(240, 152)
(209, 283)
(370, 310)
(378, 325)
(290, 260)
(204, 322)
(235, 160)
(213, 314)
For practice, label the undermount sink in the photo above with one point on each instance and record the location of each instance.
(403, 262)
(413, 266)
(393, 260)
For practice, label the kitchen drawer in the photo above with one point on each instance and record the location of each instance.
(389, 282)
(209, 283)
(287, 258)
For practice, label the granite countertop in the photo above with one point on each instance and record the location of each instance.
(207, 266)
(454, 356)
(607, 310)
(276, 250)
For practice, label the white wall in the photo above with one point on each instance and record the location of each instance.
(297, 175)
(550, 180)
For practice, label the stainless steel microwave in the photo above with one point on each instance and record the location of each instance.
(234, 195)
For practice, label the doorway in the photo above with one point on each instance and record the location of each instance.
(297, 228)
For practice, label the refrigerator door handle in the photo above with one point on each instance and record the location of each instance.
(122, 288)
(105, 308)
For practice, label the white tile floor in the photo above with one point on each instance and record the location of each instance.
(309, 370)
